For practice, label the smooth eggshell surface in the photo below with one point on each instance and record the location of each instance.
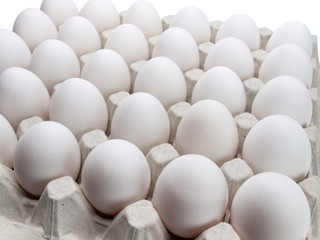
(79, 105)
(8, 142)
(141, 119)
(278, 144)
(46, 151)
(162, 78)
(190, 195)
(270, 206)
(108, 192)
(284, 95)
(233, 53)
(208, 129)
(22, 95)
(220, 83)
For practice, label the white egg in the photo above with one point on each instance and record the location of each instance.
(130, 42)
(46, 151)
(287, 59)
(53, 61)
(233, 53)
(162, 78)
(243, 27)
(8, 142)
(59, 10)
(79, 105)
(191, 195)
(114, 175)
(178, 45)
(221, 84)
(34, 26)
(193, 20)
(22, 95)
(141, 119)
(208, 129)
(284, 95)
(278, 144)
(102, 13)
(108, 71)
(145, 17)
(291, 32)
(14, 50)
(270, 206)
(80, 34)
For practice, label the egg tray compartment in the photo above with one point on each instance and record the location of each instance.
(62, 212)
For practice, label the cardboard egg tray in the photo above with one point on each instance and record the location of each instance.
(62, 211)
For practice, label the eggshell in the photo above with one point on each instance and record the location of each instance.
(14, 50)
(193, 20)
(108, 71)
(134, 50)
(291, 32)
(79, 105)
(162, 78)
(191, 195)
(284, 95)
(141, 119)
(34, 26)
(46, 151)
(8, 142)
(145, 17)
(80, 34)
(208, 129)
(287, 59)
(22, 95)
(243, 27)
(270, 206)
(278, 144)
(53, 61)
(233, 53)
(102, 13)
(221, 84)
(178, 45)
(108, 192)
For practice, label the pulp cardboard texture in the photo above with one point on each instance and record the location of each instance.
(62, 211)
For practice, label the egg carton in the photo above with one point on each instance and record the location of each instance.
(62, 211)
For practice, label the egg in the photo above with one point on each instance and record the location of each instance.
(191, 195)
(233, 53)
(14, 50)
(162, 78)
(22, 95)
(270, 206)
(287, 59)
(80, 34)
(79, 105)
(291, 32)
(223, 85)
(243, 27)
(108, 192)
(53, 61)
(145, 17)
(59, 10)
(284, 95)
(208, 129)
(8, 142)
(46, 151)
(134, 50)
(34, 26)
(141, 119)
(193, 20)
(108, 71)
(102, 13)
(178, 45)
(278, 143)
